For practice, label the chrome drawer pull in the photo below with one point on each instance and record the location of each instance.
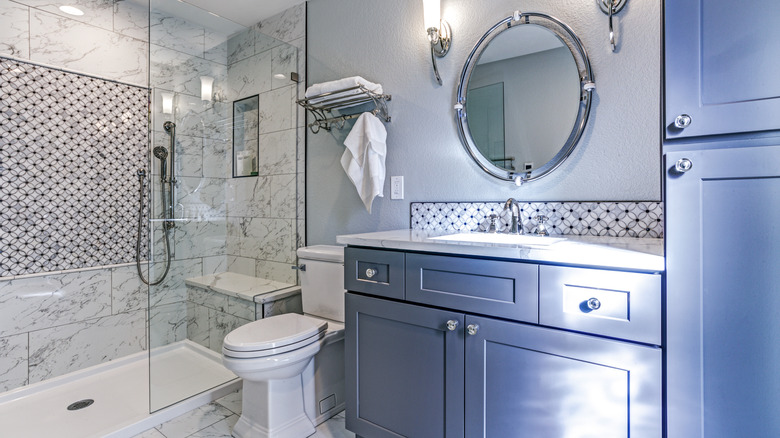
(452, 325)
(370, 272)
(594, 304)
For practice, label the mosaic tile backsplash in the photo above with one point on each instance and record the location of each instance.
(70, 147)
(615, 219)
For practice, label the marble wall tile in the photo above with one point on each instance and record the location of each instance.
(128, 292)
(167, 324)
(291, 304)
(180, 72)
(15, 31)
(250, 76)
(42, 302)
(277, 152)
(96, 13)
(283, 196)
(76, 46)
(173, 288)
(217, 161)
(243, 265)
(198, 118)
(301, 229)
(201, 198)
(268, 239)
(189, 154)
(301, 195)
(176, 33)
(60, 350)
(277, 110)
(249, 197)
(198, 323)
(215, 46)
(241, 46)
(200, 238)
(221, 325)
(215, 264)
(131, 18)
(241, 308)
(13, 362)
(234, 233)
(276, 271)
(206, 298)
(284, 59)
(287, 26)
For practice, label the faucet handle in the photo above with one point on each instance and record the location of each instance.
(541, 228)
(493, 227)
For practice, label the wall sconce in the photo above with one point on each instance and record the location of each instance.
(167, 103)
(439, 32)
(206, 86)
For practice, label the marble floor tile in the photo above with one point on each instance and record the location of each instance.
(232, 401)
(194, 421)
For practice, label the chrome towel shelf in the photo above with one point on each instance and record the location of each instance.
(323, 105)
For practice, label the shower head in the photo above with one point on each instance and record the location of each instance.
(160, 152)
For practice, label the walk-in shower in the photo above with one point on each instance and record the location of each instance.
(99, 184)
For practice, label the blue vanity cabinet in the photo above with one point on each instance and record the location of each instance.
(721, 66)
(529, 381)
(494, 348)
(404, 369)
(723, 293)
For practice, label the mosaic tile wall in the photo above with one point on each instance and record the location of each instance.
(616, 219)
(70, 149)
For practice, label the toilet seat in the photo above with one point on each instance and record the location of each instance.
(274, 335)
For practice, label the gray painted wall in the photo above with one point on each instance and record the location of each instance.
(618, 157)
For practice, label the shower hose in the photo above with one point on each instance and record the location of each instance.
(141, 185)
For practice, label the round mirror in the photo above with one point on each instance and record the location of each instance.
(524, 97)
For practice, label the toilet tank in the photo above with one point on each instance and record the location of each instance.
(322, 281)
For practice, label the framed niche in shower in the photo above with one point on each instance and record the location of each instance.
(246, 128)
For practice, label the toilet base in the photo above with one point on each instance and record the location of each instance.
(280, 416)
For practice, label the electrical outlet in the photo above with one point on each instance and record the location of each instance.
(396, 187)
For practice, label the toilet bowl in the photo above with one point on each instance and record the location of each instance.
(293, 365)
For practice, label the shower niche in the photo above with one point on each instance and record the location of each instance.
(246, 134)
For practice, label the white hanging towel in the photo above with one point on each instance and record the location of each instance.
(328, 87)
(364, 158)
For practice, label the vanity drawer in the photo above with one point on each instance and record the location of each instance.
(497, 288)
(623, 305)
(374, 272)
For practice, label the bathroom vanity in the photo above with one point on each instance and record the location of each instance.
(456, 338)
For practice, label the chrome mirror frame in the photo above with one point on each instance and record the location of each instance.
(587, 85)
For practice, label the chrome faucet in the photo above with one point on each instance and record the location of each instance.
(516, 227)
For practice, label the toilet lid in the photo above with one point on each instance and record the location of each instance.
(274, 332)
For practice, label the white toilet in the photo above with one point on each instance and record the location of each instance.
(293, 365)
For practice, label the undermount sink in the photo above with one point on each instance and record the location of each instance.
(507, 239)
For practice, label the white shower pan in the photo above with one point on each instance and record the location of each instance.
(120, 390)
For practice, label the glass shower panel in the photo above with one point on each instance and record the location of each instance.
(200, 65)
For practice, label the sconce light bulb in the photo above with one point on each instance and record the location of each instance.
(167, 103)
(206, 87)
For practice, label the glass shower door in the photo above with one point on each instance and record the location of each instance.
(223, 111)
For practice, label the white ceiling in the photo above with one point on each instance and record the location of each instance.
(244, 12)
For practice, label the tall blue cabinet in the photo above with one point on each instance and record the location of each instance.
(722, 194)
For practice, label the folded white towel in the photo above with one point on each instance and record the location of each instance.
(364, 158)
(327, 87)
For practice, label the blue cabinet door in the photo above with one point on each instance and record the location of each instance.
(404, 370)
(530, 381)
(722, 59)
(723, 293)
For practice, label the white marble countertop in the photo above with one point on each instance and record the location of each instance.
(243, 286)
(644, 254)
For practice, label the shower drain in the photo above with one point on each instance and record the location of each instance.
(81, 404)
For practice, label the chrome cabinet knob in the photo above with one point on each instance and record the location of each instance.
(683, 165)
(682, 121)
(594, 304)
(370, 272)
(472, 329)
(452, 325)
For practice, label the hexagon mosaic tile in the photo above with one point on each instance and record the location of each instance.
(70, 149)
(616, 219)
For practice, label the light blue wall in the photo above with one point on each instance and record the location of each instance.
(618, 157)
